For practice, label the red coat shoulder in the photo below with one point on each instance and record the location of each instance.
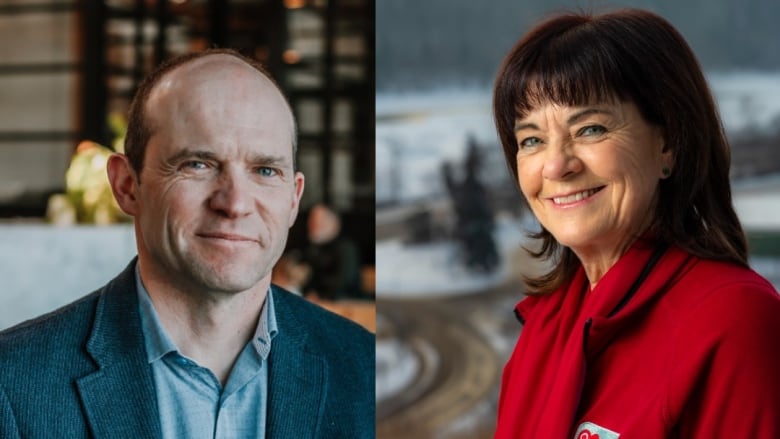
(726, 348)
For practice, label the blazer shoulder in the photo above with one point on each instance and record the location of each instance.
(330, 328)
(72, 321)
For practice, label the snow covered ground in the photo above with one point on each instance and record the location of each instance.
(747, 100)
(396, 367)
(433, 269)
(416, 133)
(757, 202)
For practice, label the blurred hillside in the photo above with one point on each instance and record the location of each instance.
(441, 43)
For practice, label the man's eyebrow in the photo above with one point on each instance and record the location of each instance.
(269, 160)
(187, 153)
(257, 159)
(574, 118)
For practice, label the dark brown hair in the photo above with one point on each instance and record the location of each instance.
(140, 129)
(637, 56)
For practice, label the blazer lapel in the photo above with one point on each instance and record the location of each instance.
(119, 398)
(297, 383)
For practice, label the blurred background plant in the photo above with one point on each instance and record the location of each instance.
(88, 198)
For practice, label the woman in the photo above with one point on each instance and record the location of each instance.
(649, 323)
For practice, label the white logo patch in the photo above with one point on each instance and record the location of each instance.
(589, 430)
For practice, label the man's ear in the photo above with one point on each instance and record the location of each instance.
(123, 182)
(296, 202)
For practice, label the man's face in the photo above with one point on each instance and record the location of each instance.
(218, 193)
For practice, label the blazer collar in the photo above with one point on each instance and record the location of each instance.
(297, 383)
(119, 398)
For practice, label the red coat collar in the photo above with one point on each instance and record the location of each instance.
(568, 328)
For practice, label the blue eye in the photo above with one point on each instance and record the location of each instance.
(529, 142)
(195, 164)
(265, 171)
(592, 130)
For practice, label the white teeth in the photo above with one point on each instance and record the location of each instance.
(574, 197)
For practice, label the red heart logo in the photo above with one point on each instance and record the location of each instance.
(586, 434)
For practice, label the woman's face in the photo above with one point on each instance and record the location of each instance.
(590, 174)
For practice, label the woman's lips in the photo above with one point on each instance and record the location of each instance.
(575, 197)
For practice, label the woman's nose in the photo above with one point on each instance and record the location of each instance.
(560, 161)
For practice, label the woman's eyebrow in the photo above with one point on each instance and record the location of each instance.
(524, 126)
(578, 116)
(574, 118)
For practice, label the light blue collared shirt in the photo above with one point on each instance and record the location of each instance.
(192, 403)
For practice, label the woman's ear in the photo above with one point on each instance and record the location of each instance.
(667, 160)
(123, 182)
(667, 157)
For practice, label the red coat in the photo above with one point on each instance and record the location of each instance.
(693, 353)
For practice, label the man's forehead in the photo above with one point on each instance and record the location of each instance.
(214, 86)
(192, 83)
(213, 68)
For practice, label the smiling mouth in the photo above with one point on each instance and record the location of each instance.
(579, 196)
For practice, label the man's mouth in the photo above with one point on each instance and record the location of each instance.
(226, 236)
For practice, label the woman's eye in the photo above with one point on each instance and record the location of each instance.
(529, 142)
(592, 130)
(266, 171)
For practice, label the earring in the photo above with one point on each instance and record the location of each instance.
(666, 171)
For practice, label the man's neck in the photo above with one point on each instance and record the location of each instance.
(210, 329)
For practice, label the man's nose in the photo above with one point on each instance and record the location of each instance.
(233, 195)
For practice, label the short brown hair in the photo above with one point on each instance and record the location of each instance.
(139, 130)
(629, 55)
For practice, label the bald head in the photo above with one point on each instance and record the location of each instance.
(185, 82)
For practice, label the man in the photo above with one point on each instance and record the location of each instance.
(191, 340)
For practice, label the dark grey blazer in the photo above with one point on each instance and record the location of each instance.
(81, 372)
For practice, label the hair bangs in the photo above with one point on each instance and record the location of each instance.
(576, 70)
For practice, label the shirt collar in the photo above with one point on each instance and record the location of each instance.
(158, 343)
(266, 326)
